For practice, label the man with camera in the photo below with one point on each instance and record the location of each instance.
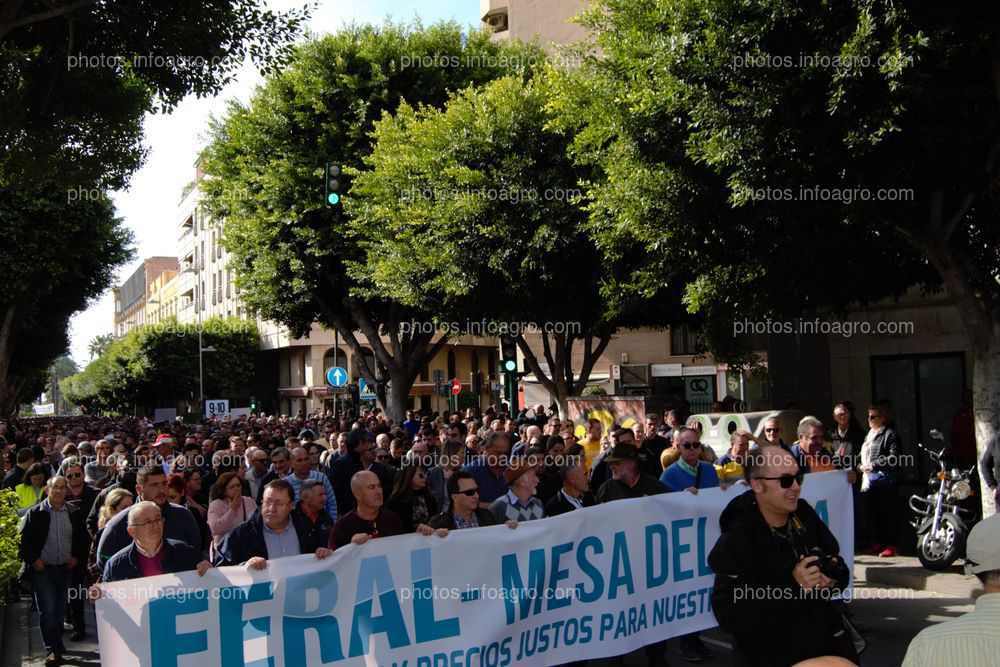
(777, 565)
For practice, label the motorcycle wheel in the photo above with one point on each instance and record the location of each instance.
(939, 554)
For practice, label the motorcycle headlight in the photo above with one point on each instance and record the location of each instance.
(961, 490)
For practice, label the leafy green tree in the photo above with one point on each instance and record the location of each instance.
(98, 344)
(804, 158)
(10, 538)
(76, 79)
(157, 365)
(481, 198)
(47, 277)
(266, 161)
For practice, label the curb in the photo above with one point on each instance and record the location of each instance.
(903, 572)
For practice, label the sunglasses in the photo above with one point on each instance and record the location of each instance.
(871, 417)
(786, 480)
(772, 430)
(692, 445)
(382, 457)
(470, 492)
(74, 475)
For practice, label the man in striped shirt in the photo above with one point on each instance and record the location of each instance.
(973, 639)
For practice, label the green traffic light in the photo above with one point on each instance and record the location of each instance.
(510, 365)
(333, 199)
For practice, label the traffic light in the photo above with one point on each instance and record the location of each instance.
(333, 182)
(477, 382)
(253, 404)
(508, 354)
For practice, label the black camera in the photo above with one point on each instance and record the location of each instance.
(834, 569)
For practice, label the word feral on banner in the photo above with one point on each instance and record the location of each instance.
(588, 584)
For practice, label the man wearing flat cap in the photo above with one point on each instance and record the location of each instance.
(972, 639)
(519, 503)
(627, 481)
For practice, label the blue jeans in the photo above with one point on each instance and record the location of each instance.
(50, 588)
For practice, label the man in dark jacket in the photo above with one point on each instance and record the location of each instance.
(81, 496)
(573, 495)
(150, 554)
(272, 532)
(360, 456)
(464, 510)
(765, 569)
(178, 522)
(54, 543)
(311, 508)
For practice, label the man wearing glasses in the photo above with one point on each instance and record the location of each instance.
(765, 568)
(150, 554)
(81, 496)
(259, 462)
(178, 522)
(772, 433)
(464, 511)
(273, 532)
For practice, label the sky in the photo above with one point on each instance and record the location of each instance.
(150, 205)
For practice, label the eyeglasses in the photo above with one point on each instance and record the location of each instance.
(772, 430)
(786, 480)
(158, 519)
(74, 475)
(692, 445)
(470, 492)
(382, 457)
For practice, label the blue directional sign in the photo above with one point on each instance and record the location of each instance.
(336, 376)
(364, 391)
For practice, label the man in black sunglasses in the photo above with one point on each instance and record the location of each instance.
(765, 569)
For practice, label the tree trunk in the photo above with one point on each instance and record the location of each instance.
(986, 408)
(559, 381)
(982, 322)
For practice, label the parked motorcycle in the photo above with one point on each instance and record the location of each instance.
(944, 517)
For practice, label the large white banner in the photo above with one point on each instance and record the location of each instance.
(588, 584)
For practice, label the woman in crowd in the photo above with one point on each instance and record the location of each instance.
(117, 500)
(31, 491)
(411, 499)
(879, 468)
(228, 507)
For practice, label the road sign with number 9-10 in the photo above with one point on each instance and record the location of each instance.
(218, 408)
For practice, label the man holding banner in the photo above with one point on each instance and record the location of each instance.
(778, 569)
(272, 532)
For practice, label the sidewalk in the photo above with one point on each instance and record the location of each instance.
(21, 643)
(907, 572)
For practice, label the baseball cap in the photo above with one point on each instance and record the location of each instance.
(982, 550)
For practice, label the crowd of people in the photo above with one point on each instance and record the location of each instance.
(112, 499)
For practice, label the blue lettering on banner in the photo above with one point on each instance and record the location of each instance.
(656, 556)
(703, 569)
(588, 569)
(558, 574)
(234, 634)
(375, 579)
(823, 511)
(513, 585)
(297, 618)
(426, 627)
(680, 548)
(166, 644)
(620, 560)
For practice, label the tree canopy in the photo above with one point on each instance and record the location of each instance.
(157, 366)
(266, 164)
(802, 158)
